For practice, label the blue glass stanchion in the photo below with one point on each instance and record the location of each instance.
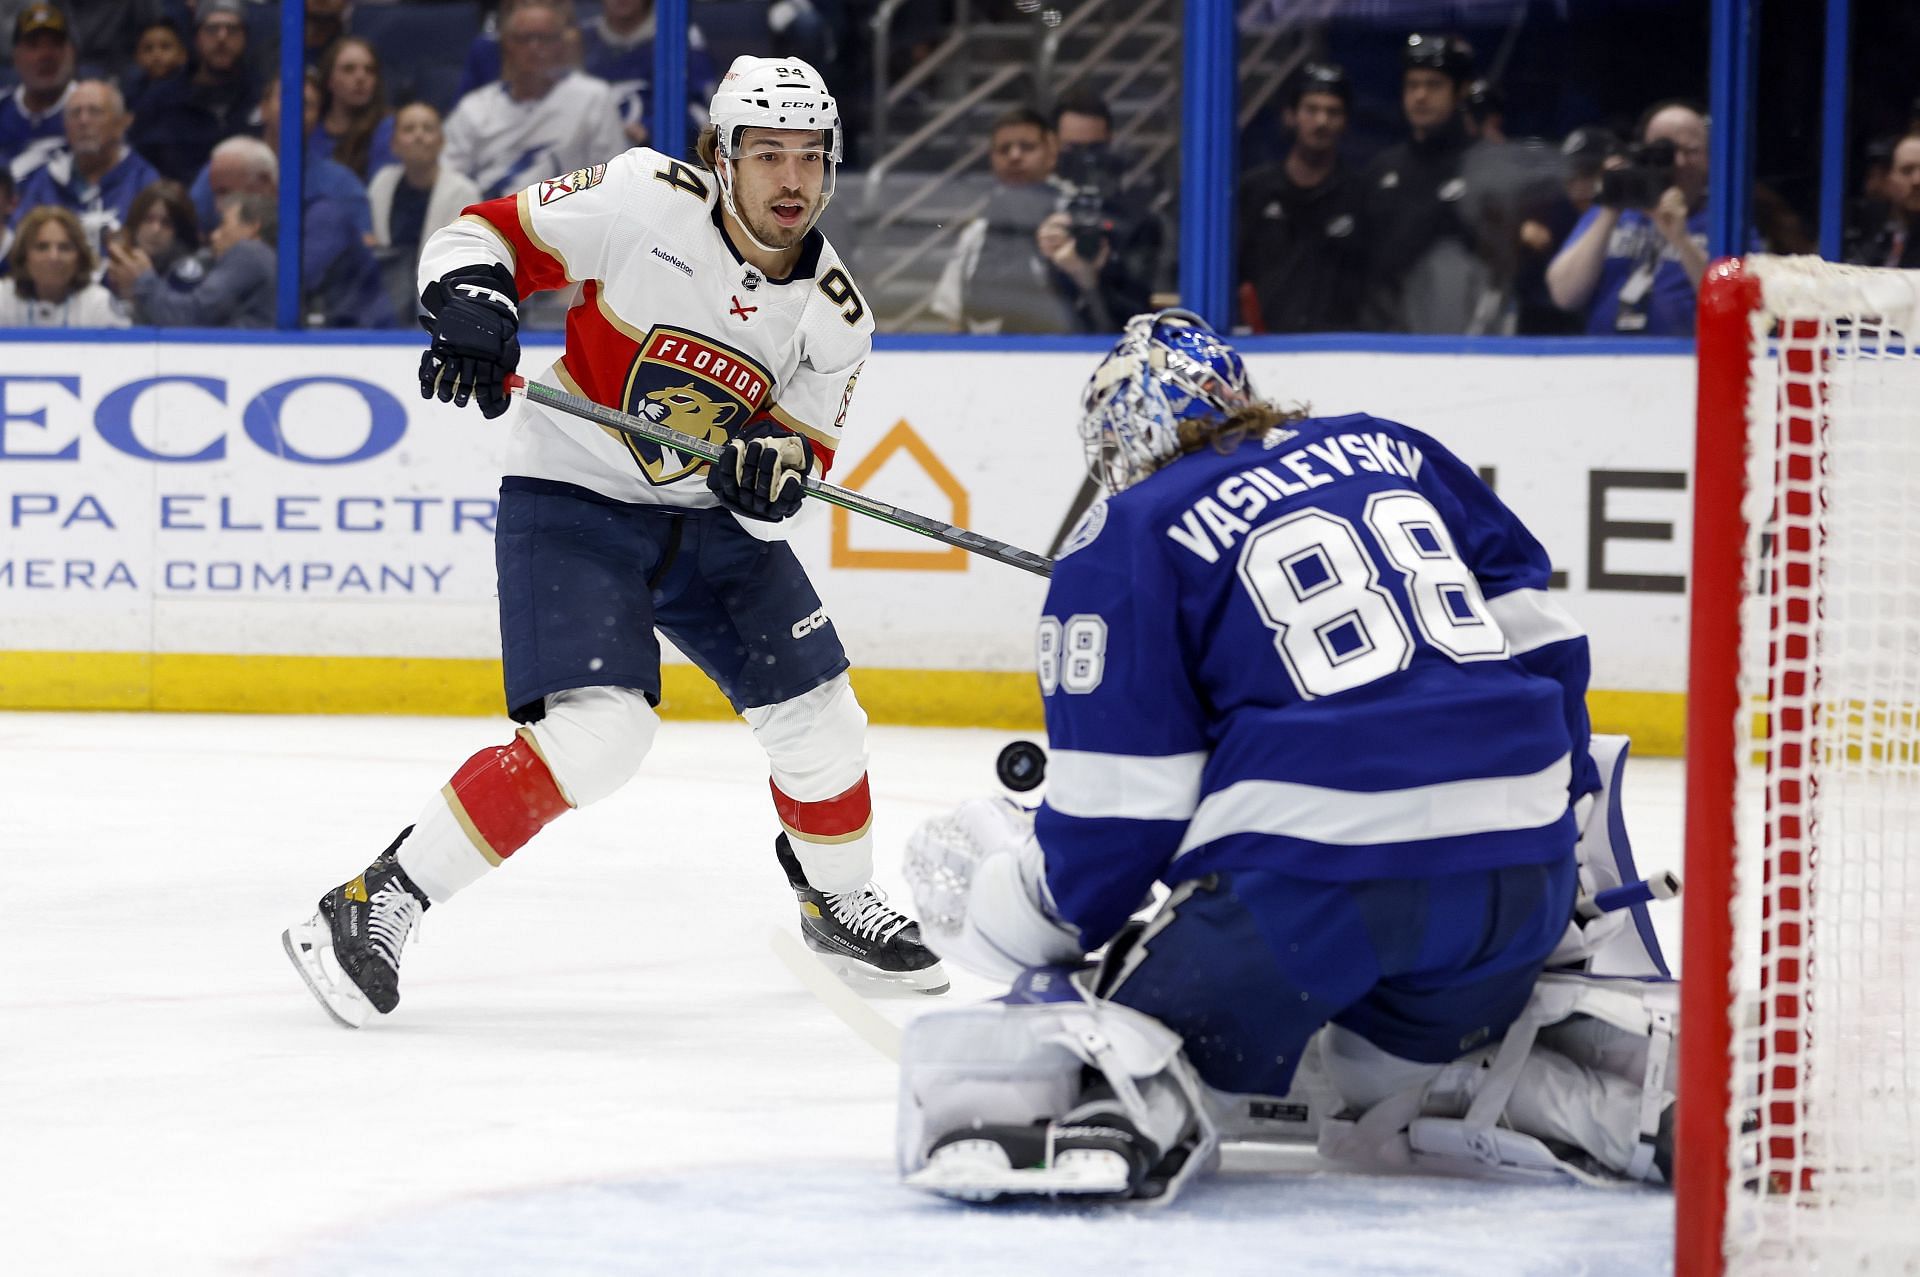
(1730, 100)
(668, 127)
(292, 144)
(1208, 89)
(1833, 128)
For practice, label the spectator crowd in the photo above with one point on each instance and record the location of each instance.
(141, 181)
(141, 141)
(1458, 228)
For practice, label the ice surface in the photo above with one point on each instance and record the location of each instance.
(597, 1066)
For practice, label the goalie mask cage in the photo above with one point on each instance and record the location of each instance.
(1799, 1124)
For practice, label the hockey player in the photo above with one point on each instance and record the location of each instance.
(1305, 672)
(708, 301)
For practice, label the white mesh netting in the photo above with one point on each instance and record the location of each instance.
(1824, 1173)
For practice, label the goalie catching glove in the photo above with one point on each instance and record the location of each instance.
(759, 471)
(474, 316)
(979, 886)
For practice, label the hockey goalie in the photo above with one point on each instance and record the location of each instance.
(1305, 673)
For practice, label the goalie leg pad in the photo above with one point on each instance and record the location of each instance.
(1022, 1062)
(1582, 1079)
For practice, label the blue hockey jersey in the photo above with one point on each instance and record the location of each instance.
(29, 140)
(102, 207)
(1328, 653)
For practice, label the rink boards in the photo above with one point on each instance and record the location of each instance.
(259, 525)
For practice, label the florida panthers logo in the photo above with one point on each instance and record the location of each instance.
(692, 384)
(689, 410)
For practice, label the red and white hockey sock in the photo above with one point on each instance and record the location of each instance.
(498, 800)
(831, 837)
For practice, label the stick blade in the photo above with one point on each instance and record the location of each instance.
(878, 1032)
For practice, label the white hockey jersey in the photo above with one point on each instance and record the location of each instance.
(671, 324)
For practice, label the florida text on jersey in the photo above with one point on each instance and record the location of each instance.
(670, 323)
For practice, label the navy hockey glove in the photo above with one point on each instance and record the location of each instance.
(759, 471)
(474, 316)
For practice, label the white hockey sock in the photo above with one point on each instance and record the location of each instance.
(835, 866)
(438, 855)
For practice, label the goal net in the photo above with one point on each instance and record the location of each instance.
(1799, 1126)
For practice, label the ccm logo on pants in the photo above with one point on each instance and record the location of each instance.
(808, 624)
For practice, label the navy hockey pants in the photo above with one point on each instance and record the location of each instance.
(585, 580)
(1246, 965)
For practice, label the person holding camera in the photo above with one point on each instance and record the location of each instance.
(994, 283)
(1101, 244)
(1634, 262)
(1547, 222)
(1302, 256)
(1060, 248)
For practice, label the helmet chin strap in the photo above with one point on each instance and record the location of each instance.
(724, 174)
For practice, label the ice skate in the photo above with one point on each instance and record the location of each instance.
(1098, 1155)
(349, 951)
(858, 937)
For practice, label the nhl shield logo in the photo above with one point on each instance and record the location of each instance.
(693, 384)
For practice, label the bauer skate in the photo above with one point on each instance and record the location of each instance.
(858, 937)
(1091, 1154)
(349, 951)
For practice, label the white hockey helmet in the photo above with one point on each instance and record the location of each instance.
(773, 93)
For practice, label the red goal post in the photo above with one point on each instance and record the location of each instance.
(1798, 1133)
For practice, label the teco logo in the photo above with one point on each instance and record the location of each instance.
(24, 430)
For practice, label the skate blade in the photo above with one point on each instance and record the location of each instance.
(333, 990)
(978, 1171)
(859, 975)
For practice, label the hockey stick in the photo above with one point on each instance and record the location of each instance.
(878, 1032)
(846, 498)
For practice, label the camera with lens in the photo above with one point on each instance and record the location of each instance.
(1638, 183)
(1090, 179)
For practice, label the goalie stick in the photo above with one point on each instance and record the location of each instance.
(845, 498)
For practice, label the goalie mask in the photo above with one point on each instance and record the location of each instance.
(772, 93)
(1168, 368)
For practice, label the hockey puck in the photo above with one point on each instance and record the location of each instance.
(1022, 766)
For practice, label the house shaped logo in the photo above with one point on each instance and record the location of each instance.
(902, 438)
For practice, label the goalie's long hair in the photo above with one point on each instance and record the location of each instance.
(1224, 434)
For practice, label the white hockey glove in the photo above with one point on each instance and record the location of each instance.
(979, 886)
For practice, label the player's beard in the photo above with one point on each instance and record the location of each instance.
(768, 230)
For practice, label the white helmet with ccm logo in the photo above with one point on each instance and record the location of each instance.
(773, 93)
